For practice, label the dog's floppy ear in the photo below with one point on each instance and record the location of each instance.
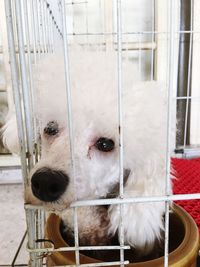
(142, 222)
(9, 134)
(143, 225)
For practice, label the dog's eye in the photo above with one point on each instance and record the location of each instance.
(51, 128)
(104, 144)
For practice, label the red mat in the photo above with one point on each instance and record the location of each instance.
(187, 181)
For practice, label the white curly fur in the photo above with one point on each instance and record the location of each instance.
(95, 107)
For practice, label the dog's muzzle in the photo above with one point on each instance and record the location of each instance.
(48, 185)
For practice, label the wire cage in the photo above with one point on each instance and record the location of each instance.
(161, 38)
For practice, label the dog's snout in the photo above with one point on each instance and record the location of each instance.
(48, 185)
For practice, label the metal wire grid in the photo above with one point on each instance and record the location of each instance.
(33, 28)
(187, 96)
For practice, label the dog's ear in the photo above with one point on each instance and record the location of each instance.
(142, 223)
(9, 134)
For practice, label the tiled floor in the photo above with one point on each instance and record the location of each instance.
(12, 216)
(12, 225)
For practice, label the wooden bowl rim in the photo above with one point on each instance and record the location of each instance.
(184, 255)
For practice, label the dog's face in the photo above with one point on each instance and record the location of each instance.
(57, 181)
(95, 169)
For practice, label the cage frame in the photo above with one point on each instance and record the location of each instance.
(25, 119)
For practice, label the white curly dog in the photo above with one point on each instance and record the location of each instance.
(93, 79)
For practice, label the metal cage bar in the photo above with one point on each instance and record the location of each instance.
(25, 85)
(70, 121)
(169, 127)
(16, 87)
(45, 27)
(188, 92)
(19, 41)
(120, 119)
(183, 79)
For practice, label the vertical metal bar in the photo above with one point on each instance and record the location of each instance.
(25, 85)
(51, 32)
(43, 17)
(86, 12)
(36, 52)
(42, 223)
(40, 6)
(152, 38)
(31, 230)
(140, 57)
(39, 232)
(38, 28)
(36, 220)
(183, 63)
(188, 76)
(68, 83)
(169, 123)
(170, 96)
(120, 117)
(30, 80)
(32, 14)
(16, 87)
(166, 249)
(70, 122)
(20, 122)
(14, 18)
(120, 110)
(76, 235)
(48, 28)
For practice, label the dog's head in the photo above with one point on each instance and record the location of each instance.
(88, 169)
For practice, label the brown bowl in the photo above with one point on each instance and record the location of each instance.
(184, 254)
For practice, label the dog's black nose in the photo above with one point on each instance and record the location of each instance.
(48, 185)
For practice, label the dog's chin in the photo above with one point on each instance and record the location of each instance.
(56, 207)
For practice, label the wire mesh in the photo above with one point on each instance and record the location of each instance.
(35, 27)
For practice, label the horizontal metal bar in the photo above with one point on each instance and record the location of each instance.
(187, 97)
(188, 153)
(125, 46)
(146, 44)
(32, 50)
(138, 46)
(62, 249)
(134, 200)
(129, 33)
(76, 3)
(116, 201)
(109, 33)
(98, 264)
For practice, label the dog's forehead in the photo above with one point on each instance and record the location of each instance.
(91, 128)
(87, 124)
